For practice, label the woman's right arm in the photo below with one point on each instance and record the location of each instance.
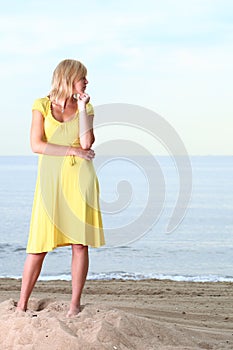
(40, 146)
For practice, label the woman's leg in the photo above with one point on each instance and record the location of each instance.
(32, 268)
(79, 269)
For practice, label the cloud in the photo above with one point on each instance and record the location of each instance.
(180, 52)
(108, 29)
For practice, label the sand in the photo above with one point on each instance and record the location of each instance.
(116, 315)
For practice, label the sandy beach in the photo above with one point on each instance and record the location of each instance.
(149, 314)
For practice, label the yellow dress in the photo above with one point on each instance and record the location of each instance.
(66, 201)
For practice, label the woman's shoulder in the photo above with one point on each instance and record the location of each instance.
(42, 105)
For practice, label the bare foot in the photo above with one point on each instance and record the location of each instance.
(21, 308)
(73, 311)
(20, 312)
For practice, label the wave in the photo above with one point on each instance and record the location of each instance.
(135, 277)
(178, 278)
(13, 247)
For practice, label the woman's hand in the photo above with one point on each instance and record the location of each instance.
(83, 99)
(87, 154)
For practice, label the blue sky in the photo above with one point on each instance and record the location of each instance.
(172, 56)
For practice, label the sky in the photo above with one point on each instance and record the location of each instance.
(171, 56)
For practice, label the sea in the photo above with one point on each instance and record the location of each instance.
(199, 249)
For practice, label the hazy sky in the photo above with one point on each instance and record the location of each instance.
(172, 56)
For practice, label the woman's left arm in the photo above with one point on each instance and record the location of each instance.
(86, 133)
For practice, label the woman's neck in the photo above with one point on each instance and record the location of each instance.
(63, 104)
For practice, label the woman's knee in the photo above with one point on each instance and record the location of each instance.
(37, 257)
(79, 248)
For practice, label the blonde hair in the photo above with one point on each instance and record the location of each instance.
(64, 75)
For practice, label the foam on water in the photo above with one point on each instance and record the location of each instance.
(134, 277)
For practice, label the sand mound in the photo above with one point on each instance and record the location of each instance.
(46, 327)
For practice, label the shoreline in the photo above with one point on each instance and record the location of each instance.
(145, 314)
(135, 277)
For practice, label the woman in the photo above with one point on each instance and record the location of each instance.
(66, 202)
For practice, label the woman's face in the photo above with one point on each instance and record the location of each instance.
(80, 86)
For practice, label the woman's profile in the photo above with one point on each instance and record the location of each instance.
(66, 200)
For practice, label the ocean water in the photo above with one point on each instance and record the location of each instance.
(200, 249)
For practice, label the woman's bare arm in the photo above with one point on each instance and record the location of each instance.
(86, 134)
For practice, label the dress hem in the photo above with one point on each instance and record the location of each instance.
(29, 251)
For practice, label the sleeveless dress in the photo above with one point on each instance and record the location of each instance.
(66, 201)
